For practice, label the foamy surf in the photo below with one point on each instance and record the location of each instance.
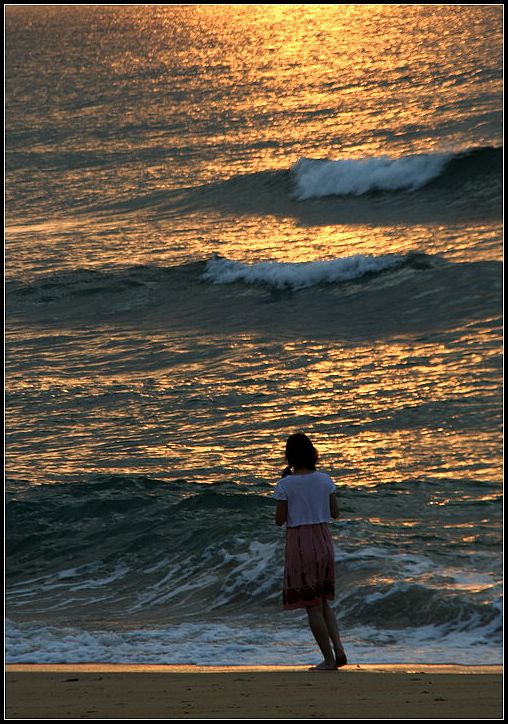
(299, 275)
(315, 178)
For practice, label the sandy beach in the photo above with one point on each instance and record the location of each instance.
(98, 691)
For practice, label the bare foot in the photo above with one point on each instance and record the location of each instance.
(340, 657)
(324, 666)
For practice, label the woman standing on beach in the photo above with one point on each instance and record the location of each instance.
(305, 502)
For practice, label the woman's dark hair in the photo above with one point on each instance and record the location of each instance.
(300, 452)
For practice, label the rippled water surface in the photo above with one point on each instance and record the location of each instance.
(224, 224)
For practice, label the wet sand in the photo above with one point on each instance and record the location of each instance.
(110, 691)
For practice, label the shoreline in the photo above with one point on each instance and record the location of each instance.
(186, 691)
(408, 668)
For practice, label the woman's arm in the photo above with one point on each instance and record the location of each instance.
(281, 512)
(334, 508)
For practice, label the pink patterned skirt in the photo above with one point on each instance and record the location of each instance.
(309, 567)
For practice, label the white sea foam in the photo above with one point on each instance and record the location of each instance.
(298, 275)
(315, 178)
(283, 641)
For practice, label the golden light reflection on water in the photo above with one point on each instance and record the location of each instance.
(318, 81)
(300, 73)
(378, 413)
(288, 81)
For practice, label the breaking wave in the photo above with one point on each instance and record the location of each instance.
(162, 549)
(299, 275)
(315, 178)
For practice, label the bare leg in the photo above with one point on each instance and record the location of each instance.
(333, 632)
(319, 629)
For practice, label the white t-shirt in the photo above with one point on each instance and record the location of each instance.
(308, 497)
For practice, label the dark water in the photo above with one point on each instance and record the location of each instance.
(223, 225)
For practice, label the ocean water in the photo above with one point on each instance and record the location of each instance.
(225, 224)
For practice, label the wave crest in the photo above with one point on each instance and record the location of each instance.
(316, 178)
(299, 275)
